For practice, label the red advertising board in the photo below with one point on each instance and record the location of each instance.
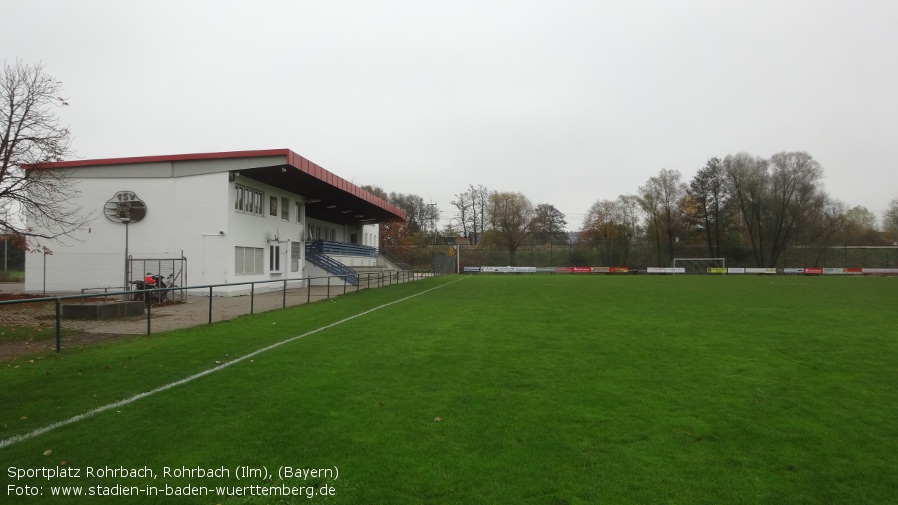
(813, 271)
(581, 270)
(620, 270)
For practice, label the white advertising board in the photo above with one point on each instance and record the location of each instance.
(760, 270)
(666, 270)
(508, 270)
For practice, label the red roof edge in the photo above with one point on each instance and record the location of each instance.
(302, 164)
(164, 158)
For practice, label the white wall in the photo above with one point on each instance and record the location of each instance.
(194, 216)
(248, 230)
(180, 212)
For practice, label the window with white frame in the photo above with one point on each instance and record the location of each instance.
(285, 208)
(299, 212)
(248, 260)
(248, 200)
(274, 258)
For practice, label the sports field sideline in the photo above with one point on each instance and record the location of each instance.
(544, 389)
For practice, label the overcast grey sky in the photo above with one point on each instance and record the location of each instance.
(567, 102)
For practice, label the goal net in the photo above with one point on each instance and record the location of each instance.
(701, 265)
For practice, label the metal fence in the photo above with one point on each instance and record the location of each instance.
(200, 305)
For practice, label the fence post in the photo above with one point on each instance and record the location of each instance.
(210, 304)
(328, 287)
(252, 291)
(58, 326)
(345, 282)
(149, 305)
(285, 294)
(309, 289)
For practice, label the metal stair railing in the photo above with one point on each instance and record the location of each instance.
(330, 265)
(330, 247)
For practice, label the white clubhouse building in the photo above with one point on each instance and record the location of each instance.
(210, 218)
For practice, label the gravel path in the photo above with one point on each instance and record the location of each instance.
(193, 311)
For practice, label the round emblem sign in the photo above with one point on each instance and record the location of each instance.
(125, 207)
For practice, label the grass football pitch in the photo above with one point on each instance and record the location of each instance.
(483, 389)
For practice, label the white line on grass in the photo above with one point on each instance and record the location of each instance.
(80, 417)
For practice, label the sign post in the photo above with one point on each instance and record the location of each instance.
(125, 208)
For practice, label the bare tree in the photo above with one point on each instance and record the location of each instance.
(777, 199)
(471, 206)
(661, 199)
(707, 208)
(747, 181)
(510, 215)
(35, 202)
(463, 207)
(796, 197)
(830, 220)
(481, 203)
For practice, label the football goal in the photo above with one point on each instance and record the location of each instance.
(701, 265)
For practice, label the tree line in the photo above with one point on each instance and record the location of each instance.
(735, 204)
(738, 203)
(742, 207)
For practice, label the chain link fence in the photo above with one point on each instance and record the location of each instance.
(31, 325)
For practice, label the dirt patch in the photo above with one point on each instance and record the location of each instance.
(9, 351)
(17, 296)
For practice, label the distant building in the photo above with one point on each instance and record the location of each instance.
(211, 218)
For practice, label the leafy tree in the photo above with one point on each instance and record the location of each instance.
(419, 218)
(511, 217)
(418, 213)
(603, 230)
(395, 238)
(31, 136)
(890, 220)
(861, 227)
(548, 225)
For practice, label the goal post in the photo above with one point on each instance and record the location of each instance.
(701, 265)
